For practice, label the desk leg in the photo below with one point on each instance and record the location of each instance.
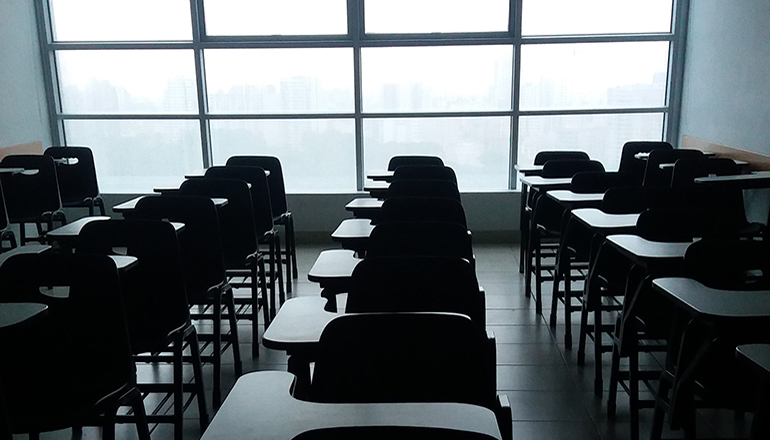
(523, 227)
(300, 367)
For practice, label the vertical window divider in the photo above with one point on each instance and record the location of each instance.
(679, 21)
(355, 10)
(514, 27)
(199, 32)
(50, 77)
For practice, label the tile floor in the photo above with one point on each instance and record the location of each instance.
(551, 397)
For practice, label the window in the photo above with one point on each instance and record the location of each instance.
(336, 87)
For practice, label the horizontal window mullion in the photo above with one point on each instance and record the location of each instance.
(452, 114)
(113, 116)
(614, 38)
(603, 111)
(247, 116)
(151, 45)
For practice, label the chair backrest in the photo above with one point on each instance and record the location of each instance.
(76, 172)
(403, 209)
(684, 223)
(687, 169)
(404, 357)
(236, 219)
(423, 188)
(567, 168)
(36, 191)
(153, 290)
(416, 284)
(200, 244)
(397, 161)
(628, 161)
(421, 238)
(599, 182)
(79, 354)
(654, 175)
(635, 199)
(4, 221)
(544, 156)
(424, 172)
(260, 191)
(274, 180)
(729, 264)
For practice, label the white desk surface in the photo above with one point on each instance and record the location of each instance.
(260, 407)
(565, 195)
(333, 264)
(599, 219)
(364, 203)
(714, 303)
(538, 181)
(759, 354)
(352, 229)
(129, 205)
(380, 175)
(298, 324)
(12, 314)
(643, 248)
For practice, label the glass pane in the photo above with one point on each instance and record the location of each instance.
(569, 17)
(601, 136)
(476, 148)
(270, 17)
(431, 16)
(136, 20)
(127, 81)
(452, 78)
(317, 156)
(135, 156)
(593, 75)
(280, 80)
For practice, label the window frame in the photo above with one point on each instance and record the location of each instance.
(357, 39)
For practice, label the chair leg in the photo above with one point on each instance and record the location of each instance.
(538, 278)
(140, 414)
(292, 244)
(581, 354)
(598, 352)
(217, 347)
(614, 374)
(200, 394)
(272, 252)
(178, 388)
(568, 309)
(233, 336)
(279, 273)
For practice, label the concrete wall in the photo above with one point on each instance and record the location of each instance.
(23, 114)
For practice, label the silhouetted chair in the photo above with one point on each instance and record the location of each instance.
(204, 271)
(32, 196)
(416, 284)
(423, 188)
(654, 175)
(421, 239)
(544, 156)
(404, 209)
(629, 163)
(155, 298)
(263, 219)
(397, 161)
(687, 169)
(6, 234)
(281, 214)
(76, 172)
(408, 357)
(424, 172)
(244, 263)
(74, 366)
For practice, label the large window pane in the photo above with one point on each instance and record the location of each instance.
(135, 156)
(477, 148)
(127, 81)
(420, 79)
(593, 75)
(317, 155)
(601, 136)
(135, 20)
(271, 17)
(429, 16)
(269, 81)
(568, 17)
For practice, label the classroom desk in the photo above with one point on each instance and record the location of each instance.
(202, 173)
(260, 407)
(528, 170)
(353, 233)
(757, 179)
(597, 219)
(377, 189)
(757, 357)
(15, 314)
(364, 207)
(26, 249)
(380, 175)
(333, 270)
(11, 170)
(67, 235)
(129, 205)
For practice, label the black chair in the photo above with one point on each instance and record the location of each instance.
(204, 270)
(687, 169)
(655, 175)
(404, 209)
(76, 172)
(421, 239)
(281, 214)
(629, 163)
(157, 312)
(263, 220)
(416, 284)
(74, 367)
(424, 172)
(32, 196)
(544, 156)
(408, 357)
(423, 188)
(6, 234)
(244, 263)
(397, 161)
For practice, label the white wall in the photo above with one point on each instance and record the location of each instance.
(726, 97)
(23, 114)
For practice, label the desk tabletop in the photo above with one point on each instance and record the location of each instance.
(528, 170)
(757, 179)
(567, 196)
(12, 314)
(376, 186)
(544, 182)
(333, 265)
(596, 218)
(298, 324)
(130, 205)
(11, 170)
(756, 354)
(72, 230)
(380, 175)
(260, 407)
(708, 303)
(353, 229)
(202, 173)
(26, 249)
(364, 203)
(642, 248)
